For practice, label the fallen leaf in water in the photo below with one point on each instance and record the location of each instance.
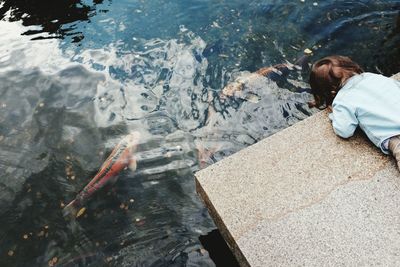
(80, 212)
(216, 25)
(307, 51)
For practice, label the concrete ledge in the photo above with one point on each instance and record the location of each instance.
(306, 197)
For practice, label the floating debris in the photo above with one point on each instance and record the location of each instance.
(25, 236)
(216, 25)
(40, 234)
(41, 105)
(46, 227)
(307, 51)
(131, 200)
(10, 253)
(315, 4)
(122, 206)
(295, 47)
(80, 212)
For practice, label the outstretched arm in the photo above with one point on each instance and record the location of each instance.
(344, 120)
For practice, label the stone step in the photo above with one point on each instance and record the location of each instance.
(306, 197)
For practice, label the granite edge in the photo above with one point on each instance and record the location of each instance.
(230, 240)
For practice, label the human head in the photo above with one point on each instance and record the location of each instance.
(327, 77)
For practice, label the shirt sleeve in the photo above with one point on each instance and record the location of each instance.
(344, 120)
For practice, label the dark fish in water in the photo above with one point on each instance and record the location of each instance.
(121, 157)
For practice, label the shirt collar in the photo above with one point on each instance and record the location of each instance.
(351, 81)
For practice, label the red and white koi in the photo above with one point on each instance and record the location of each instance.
(120, 158)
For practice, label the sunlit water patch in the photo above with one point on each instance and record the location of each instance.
(158, 68)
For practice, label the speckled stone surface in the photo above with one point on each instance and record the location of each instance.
(307, 197)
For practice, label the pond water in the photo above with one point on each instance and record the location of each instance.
(77, 76)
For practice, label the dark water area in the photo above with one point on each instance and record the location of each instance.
(77, 76)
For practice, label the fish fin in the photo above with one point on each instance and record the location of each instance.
(132, 164)
(252, 98)
(71, 210)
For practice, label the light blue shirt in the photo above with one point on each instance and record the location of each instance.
(371, 101)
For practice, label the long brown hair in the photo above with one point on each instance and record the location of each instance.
(328, 76)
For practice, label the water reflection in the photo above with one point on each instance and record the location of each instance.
(51, 17)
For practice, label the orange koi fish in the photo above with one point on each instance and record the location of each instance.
(120, 158)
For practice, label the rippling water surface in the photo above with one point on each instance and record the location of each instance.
(77, 76)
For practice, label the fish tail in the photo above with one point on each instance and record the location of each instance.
(71, 210)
